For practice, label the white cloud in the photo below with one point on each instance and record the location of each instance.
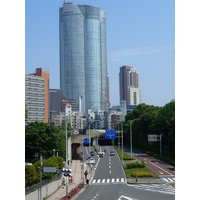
(118, 55)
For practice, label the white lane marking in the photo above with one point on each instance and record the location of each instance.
(160, 172)
(113, 180)
(125, 197)
(170, 179)
(110, 171)
(117, 180)
(95, 196)
(173, 179)
(160, 168)
(108, 180)
(103, 180)
(109, 167)
(122, 179)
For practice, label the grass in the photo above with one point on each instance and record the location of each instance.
(125, 155)
(139, 170)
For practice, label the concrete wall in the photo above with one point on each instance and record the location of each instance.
(47, 190)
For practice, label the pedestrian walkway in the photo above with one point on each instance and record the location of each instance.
(77, 174)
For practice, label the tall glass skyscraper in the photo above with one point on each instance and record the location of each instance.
(83, 56)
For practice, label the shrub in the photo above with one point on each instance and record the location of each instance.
(142, 174)
(127, 158)
(135, 165)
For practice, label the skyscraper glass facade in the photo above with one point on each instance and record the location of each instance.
(83, 62)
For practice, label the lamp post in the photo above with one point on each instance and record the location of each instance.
(89, 132)
(131, 134)
(66, 162)
(122, 141)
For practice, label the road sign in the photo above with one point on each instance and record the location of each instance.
(110, 134)
(49, 169)
(86, 140)
(152, 138)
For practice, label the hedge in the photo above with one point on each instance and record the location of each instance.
(142, 174)
(135, 165)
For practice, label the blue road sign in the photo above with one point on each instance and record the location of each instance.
(86, 140)
(49, 169)
(110, 134)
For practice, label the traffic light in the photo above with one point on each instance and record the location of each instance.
(67, 172)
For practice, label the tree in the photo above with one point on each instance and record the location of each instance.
(26, 113)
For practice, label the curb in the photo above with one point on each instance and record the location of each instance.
(146, 181)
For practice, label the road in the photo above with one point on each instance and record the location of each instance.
(160, 168)
(109, 182)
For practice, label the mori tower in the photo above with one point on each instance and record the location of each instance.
(83, 55)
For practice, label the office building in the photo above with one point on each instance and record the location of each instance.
(37, 95)
(71, 102)
(56, 96)
(108, 91)
(34, 98)
(129, 86)
(45, 74)
(83, 56)
(135, 96)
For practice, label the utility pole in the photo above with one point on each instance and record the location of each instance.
(83, 164)
(131, 138)
(122, 141)
(160, 146)
(66, 161)
(41, 177)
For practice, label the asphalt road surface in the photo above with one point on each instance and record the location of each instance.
(109, 183)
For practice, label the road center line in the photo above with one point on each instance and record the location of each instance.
(160, 168)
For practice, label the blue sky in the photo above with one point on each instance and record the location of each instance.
(140, 33)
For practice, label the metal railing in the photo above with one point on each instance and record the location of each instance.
(45, 182)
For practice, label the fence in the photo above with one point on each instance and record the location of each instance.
(45, 182)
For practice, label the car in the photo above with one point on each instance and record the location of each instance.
(101, 154)
(92, 153)
(112, 153)
(91, 161)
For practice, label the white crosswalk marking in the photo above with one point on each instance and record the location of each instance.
(168, 179)
(165, 180)
(104, 181)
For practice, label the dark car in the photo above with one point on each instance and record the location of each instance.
(112, 153)
(92, 153)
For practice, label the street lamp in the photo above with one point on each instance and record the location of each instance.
(89, 132)
(66, 161)
(131, 134)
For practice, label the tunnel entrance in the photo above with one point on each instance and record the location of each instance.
(76, 151)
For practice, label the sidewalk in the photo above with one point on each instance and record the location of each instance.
(77, 179)
(77, 173)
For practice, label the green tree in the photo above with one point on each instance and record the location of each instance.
(26, 113)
